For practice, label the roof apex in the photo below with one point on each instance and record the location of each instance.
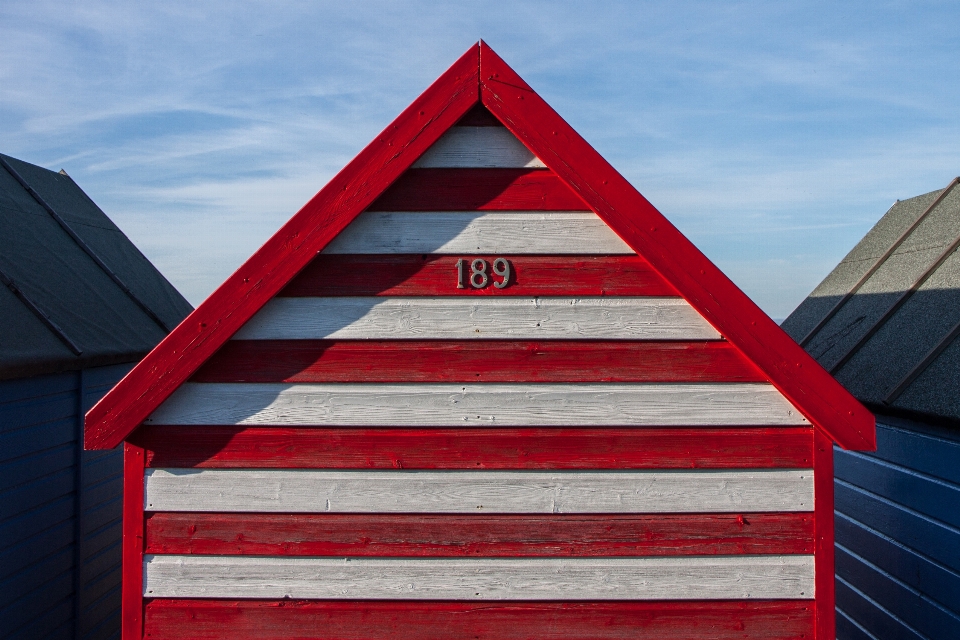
(480, 75)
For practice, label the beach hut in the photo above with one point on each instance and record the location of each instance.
(885, 322)
(78, 306)
(478, 386)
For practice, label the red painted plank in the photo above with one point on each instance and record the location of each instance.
(391, 535)
(304, 361)
(131, 590)
(335, 206)
(334, 620)
(428, 275)
(478, 116)
(479, 190)
(824, 551)
(794, 372)
(480, 448)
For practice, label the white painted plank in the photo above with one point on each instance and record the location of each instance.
(511, 232)
(466, 318)
(362, 491)
(487, 147)
(672, 578)
(482, 405)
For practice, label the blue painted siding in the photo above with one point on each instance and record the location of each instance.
(898, 535)
(59, 510)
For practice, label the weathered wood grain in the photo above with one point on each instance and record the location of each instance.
(433, 275)
(650, 234)
(483, 405)
(450, 318)
(478, 147)
(679, 578)
(284, 254)
(210, 619)
(531, 232)
(419, 535)
(476, 361)
(476, 448)
(478, 492)
(478, 190)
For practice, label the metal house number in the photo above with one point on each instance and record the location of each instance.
(478, 278)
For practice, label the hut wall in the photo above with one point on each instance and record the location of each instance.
(59, 510)
(898, 535)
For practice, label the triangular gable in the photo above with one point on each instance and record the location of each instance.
(480, 76)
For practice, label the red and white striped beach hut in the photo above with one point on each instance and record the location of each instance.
(478, 387)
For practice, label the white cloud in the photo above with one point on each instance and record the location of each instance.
(774, 135)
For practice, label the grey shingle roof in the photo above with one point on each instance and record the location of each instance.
(86, 310)
(893, 342)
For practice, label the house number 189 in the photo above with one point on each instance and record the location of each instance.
(478, 277)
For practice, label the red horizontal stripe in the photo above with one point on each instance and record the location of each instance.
(338, 620)
(478, 190)
(305, 361)
(419, 535)
(480, 448)
(478, 116)
(430, 275)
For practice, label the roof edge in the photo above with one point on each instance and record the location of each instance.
(281, 257)
(481, 75)
(799, 377)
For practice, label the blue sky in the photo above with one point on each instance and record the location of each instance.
(772, 134)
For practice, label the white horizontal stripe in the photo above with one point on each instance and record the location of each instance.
(478, 147)
(515, 232)
(676, 578)
(485, 405)
(321, 491)
(465, 318)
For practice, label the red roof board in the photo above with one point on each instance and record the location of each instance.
(480, 75)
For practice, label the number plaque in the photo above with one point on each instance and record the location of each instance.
(478, 278)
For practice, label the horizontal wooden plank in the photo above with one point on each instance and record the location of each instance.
(372, 318)
(476, 492)
(484, 404)
(334, 534)
(343, 620)
(678, 578)
(476, 448)
(437, 275)
(461, 232)
(906, 565)
(911, 607)
(476, 361)
(478, 190)
(915, 491)
(478, 147)
(913, 530)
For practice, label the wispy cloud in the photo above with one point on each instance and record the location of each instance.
(773, 135)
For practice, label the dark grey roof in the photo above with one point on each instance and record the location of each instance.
(58, 300)
(885, 321)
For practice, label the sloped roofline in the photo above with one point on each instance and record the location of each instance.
(480, 75)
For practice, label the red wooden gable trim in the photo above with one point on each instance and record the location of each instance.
(284, 255)
(797, 375)
(480, 75)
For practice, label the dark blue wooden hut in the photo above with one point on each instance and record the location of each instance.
(79, 306)
(886, 322)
